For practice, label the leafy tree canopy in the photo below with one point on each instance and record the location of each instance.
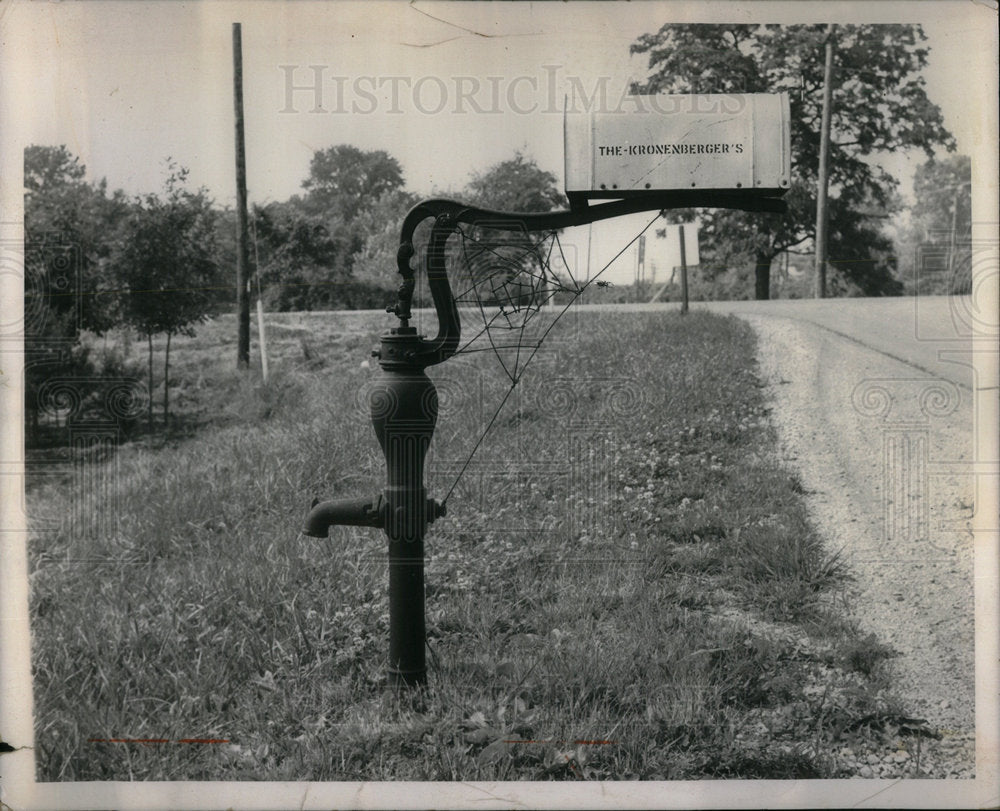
(516, 184)
(66, 222)
(943, 188)
(935, 246)
(164, 259)
(48, 167)
(879, 104)
(344, 180)
(375, 262)
(301, 259)
(165, 262)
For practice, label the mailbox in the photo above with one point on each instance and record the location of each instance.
(732, 142)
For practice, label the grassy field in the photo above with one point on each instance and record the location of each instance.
(626, 585)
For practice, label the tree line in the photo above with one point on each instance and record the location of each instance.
(158, 264)
(879, 105)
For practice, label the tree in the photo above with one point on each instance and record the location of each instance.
(66, 223)
(344, 180)
(379, 227)
(511, 259)
(50, 167)
(308, 244)
(943, 191)
(861, 254)
(66, 220)
(301, 262)
(879, 105)
(941, 225)
(165, 262)
(516, 184)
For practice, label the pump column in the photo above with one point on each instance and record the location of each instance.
(404, 406)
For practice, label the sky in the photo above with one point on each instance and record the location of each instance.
(448, 89)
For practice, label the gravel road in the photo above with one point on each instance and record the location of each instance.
(884, 451)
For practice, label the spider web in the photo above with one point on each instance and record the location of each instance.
(508, 277)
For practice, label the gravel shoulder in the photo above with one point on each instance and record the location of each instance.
(884, 451)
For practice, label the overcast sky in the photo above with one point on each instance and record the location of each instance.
(446, 88)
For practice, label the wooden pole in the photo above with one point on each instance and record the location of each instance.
(642, 263)
(261, 334)
(952, 238)
(242, 259)
(263, 339)
(684, 272)
(824, 170)
(590, 236)
(635, 285)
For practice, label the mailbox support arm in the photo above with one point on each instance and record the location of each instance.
(584, 214)
(449, 213)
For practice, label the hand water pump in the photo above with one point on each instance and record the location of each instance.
(667, 160)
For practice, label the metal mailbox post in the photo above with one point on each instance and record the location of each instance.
(403, 401)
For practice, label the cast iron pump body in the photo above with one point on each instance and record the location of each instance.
(404, 404)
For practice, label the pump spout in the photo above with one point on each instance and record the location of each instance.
(352, 512)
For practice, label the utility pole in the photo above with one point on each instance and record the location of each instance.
(242, 253)
(824, 170)
(954, 228)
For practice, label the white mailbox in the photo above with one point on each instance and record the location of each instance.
(726, 142)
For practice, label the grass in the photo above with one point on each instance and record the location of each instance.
(626, 586)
